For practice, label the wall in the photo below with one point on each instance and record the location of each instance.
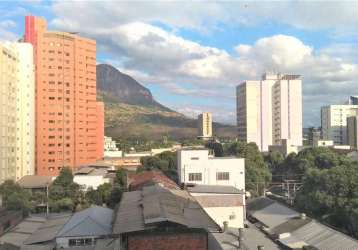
(198, 161)
(25, 111)
(67, 113)
(90, 180)
(183, 241)
(221, 207)
(8, 86)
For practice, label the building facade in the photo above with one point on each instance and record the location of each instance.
(25, 111)
(352, 132)
(8, 86)
(334, 122)
(17, 113)
(197, 167)
(68, 117)
(205, 127)
(270, 110)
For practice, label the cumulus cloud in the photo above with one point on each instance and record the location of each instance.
(142, 39)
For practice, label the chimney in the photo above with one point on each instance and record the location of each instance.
(303, 216)
(226, 226)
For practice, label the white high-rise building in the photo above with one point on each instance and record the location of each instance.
(205, 127)
(17, 97)
(334, 122)
(25, 111)
(8, 84)
(270, 110)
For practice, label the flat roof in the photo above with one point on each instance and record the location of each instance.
(198, 188)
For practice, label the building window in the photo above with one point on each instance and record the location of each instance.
(223, 176)
(195, 177)
(194, 158)
(81, 242)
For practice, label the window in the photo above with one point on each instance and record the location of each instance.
(195, 177)
(82, 242)
(194, 158)
(223, 176)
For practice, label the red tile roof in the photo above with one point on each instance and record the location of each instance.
(148, 178)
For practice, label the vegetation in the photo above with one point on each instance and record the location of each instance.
(330, 185)
(165, 162)
(14, 197)
(64, 194)
(257, 174)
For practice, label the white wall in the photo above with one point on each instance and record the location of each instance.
(90, 180)
(25, 111)
(198, 161)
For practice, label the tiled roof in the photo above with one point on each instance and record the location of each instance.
(35, 181)
(147, 178)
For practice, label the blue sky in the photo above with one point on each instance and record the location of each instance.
(193, 54)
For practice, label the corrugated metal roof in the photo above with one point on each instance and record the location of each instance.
(274, 214)
(48, 231)
(91, 221)
(324, 237)
(141, 210)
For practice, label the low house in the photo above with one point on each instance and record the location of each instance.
(149, 178)
(35, 183)
(17, 235)
(294, 230)
(82, 229)
(85, 227)
(9, 219)
(198, 167)
(90, 177)
(224, 204)
(160, 218)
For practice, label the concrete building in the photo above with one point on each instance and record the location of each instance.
(25, 111)
(69, 120)
(224, 204)
(270, 110)
(285, 148)
(205, 126)
(353, 100)
(323, 143)
(90, 177)
(8, 87)
(110, 148)
(198, 167)
(352, 132)
(334, 122)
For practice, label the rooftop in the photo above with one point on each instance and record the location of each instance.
(147, 178)
(252, 237)
(149, 208)
(299, 232)
(35, 181)
(197, 188)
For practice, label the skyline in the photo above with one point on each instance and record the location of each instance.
(193, 55)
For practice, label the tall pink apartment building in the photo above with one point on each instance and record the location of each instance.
(69, 120)
(270, 110)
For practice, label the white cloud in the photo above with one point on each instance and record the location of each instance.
(131, 35)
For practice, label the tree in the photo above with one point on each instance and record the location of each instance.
(165, 162)
(332, 195)
(15, 197)
(64, 194)
(217, 148)
(257, 174)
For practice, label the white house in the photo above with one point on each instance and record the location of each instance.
(221, 203)
(198, 167)
(90, 177)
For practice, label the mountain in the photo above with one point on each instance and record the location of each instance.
(124, 88)
(132, 112)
